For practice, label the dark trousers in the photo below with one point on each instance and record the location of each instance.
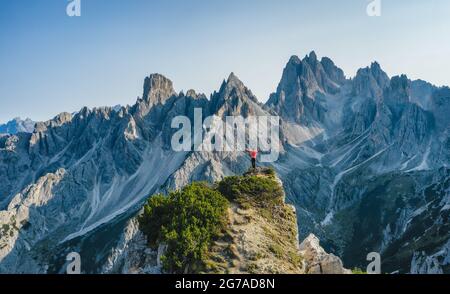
(254, 162)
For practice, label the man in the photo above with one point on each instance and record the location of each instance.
(253, 154)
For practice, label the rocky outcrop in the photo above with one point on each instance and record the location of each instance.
(132, 255)
(24, 223)
(317, 261)
(260, 238)
(157, 89)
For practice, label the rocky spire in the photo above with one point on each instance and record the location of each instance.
(334, 73)
(233, 98)
(311, 58)
(400, 89)
(370, 81)
(301, 82)
(397, 94)
(157, 89)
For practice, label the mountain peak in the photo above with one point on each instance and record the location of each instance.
(370, 81)
(400, 82)
(375, 66)
(157, 89)
(233, 97)
(377, 71)
(312, 56)
(234, 80)
(400, 89)
(232, 76)
(191, 93)
(301, 82)
(294, 60)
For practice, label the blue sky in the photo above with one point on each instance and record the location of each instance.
(51, 63)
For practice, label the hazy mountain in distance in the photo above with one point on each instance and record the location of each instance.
(17, 125)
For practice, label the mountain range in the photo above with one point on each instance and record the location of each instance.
(365, 162)
(17, 125)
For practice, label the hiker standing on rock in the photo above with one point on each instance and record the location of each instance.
(253, 154)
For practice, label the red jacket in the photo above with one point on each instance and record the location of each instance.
(253, 153)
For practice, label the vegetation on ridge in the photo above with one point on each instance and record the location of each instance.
(187, 221)
(201, 225)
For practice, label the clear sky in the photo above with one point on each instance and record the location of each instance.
(51, 63)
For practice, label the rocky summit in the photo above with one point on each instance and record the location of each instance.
(365, 163)
(259, 235)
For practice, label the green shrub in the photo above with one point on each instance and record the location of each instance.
(358, 271)
(188, 221)
(295, 257)
(277, 250)
(156, 215)
(271, 172)
(229, 187)
(260, 190)
(4, 229)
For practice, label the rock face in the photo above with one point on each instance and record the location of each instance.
(365, 162)
(131, 255)
(437, 263)
(318, 261)
(15, 222)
